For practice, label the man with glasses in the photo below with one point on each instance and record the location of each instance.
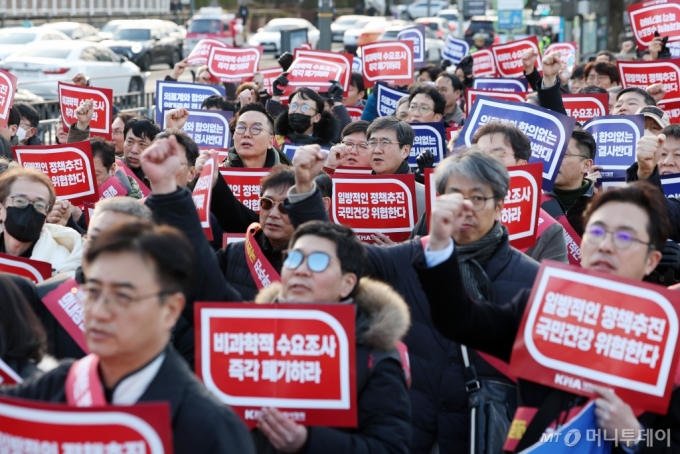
(425, 105)
(306, 121)
(352, 151)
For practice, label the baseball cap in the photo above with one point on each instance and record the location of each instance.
(656, 114)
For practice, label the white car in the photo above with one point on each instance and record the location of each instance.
(341, 25)
(350, 39)
(438, 25)
(39, 66)
(112, 26)
(269, 37)
(75, 30)
(418, 8)
(15, 38)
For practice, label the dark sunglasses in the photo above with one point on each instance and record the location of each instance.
(268, 204)
(316, 261)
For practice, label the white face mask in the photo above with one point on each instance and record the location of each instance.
(21, 133)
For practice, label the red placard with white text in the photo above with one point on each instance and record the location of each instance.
(201, 53)
(585, 107)
(146, 192)
(306, 46)
(70, 98)
(316, 69)
(268, 78)
(375, 203)
(471, 95)
(657, 15)
(568, 52)
(645, 73)
(387, 61)
(245, 184)
(68, 166)
(298, 358)
(8, 376)
(34, 270)
(522, 203)
(231, 64)
(583, 328)
(59, 428)
(112, 187)
(342, 58)
(508, 57)
(483, 63)
(355, 113)
(202, 193)
(8, 86)
(672, 109)
(65, 303)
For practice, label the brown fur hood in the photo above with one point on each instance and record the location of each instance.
(387, 312)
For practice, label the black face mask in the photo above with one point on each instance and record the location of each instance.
(299, 122)
(24, 224)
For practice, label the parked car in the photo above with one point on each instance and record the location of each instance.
(450, 15)
(213, 23)
(419, 9)
(482, 24)
(350, 39)
(269, 36)
(111, 26)
(145, 44)
(433, 46)
(15, 38)
(341, 25)
(75, 30)
(40, 65)
(438, 25)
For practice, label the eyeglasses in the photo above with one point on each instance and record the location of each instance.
(622, 239)
(254, 129)
(116, 302)
(316, 261)
(304, 108)
(359, 146)
(268, 204)
(19, 201)
(478, 202)
(423, 109)
(576, 155)
(373, 144)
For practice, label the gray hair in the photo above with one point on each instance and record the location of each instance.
(124, 205)
(402, 100)
(405, 134)
(474, 165)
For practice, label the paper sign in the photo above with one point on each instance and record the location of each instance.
(387, 99)
(585, 107)
(498, 84)
(355, 113)
(483, 63)
(671, 185)
(316, 69)
(8, 376)
(616, 137)
(70, 98)
(298, 358)
(645, 73)
(202, 194)
(232, 64)
(146, 192)
(429, 136)
(388, 61)
(583, 328)
(415, 34)
(182, 94)
(658, 15)
(8, 86)
(455, 50)
(268, 78)
(208, 128)
(112, 187)
(522, 204)
(513, 96)
(568, 53)
(611, 183)
(375, 203)
(34, 270)
(509, 56)
(201, 53)
(549, 132)
(59, 428)
(65, 303)
(228, 238)
(68, 166)
(245, 184)
(672, 109)
(289, 149)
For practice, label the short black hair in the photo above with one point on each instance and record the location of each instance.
(106, 151)
(403, 130)
(28, 112)
(432, 70)
(142, 127)
(437, 98)
(184, 140)
(649, 99)
(14, 117)
(593, 89)
(358, 81)
(309, 94)
(254, 107)
(585, 142)
(577, 72)
(355, 126)
(607, 69)
(325, 184)
(672, 131)
(280, 176)
(217, 101)
(22, 336)
(455, 82)
(513, 136)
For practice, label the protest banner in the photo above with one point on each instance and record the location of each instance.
(616, 137)
(606, 184)
(498, 84)
(202, 193)
(356, 64)
(585, 107)
(268, 78)
(583, 328)
(68, 166)
(549, 132)
(483, 63)
(245, 184)
(375, 203)
(388, 61)
(513, 96)
(415, 34)
(508, 56)
(642, 74)
(298, 358)
(568, 53)
(58, 428)
(146, 192)
(355, 112)
(671, 185)
(201, 53)
(72, 96)
(429, 137)
(672, 109)
(316, 68)
(8, 376)
(112, 187)
(455, 50)
(231, 64)
(387, 99)
(662, 16)
(34, 270)
(65, 303)
(182, 94)
(208, 128)
(8, 87)
(521, 206)
(354, 170)
(289, 149)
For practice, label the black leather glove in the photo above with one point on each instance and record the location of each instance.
(670, 257)
(281, 80)
(285, 60)
(424, 160)
(335, 91)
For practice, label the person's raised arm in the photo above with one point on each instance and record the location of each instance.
(304, 202)
(80, 130)
(549, 95)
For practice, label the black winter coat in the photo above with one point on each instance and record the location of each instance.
(325, 131)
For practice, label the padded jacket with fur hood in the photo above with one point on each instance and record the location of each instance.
(382, 319)
(324, 134)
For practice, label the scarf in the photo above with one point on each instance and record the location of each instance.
(472, 258)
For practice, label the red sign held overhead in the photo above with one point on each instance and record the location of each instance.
(232, 64)
(519, 96)
(299, 358)
(70, 98)
(657, 15)
(316, 69)
(645, 73)
(245, 185)
(8, 86)
(34, 270)
(508, 56)
(483, 63)
(585, 107)
(268, 78)
(202, 193)
(68, 166)
(388, 61)
(672, 109)
(583, 328)
(522, 203)
(566, 50)
(201, 53)
(355, 113)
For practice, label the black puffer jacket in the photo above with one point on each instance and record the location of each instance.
(324, 133)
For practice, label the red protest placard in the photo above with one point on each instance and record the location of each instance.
(112, 187)
(34, 270)
(299, 358)
(657, 15)
(268, 78)
(568, 52)
(68, 166)
(583, 328)
(585, 107)
(65, 303)
(672, 109)
(355, 113)
(387, 61)
(202, 193)
(483, 63)
(522, 204)
(316, 69)
(375, 203)
(201, 53)
(508, 57)
(232, 64)
(518, 96)
(146, 192)
(341, 58)
(245, 185)
(645, 73)
(70, 98)
(8, 86)
(8, 376)
(59, 428)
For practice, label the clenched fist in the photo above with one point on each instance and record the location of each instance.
(647, 151)
(176, 118)
(84, 113)
(308, 162)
